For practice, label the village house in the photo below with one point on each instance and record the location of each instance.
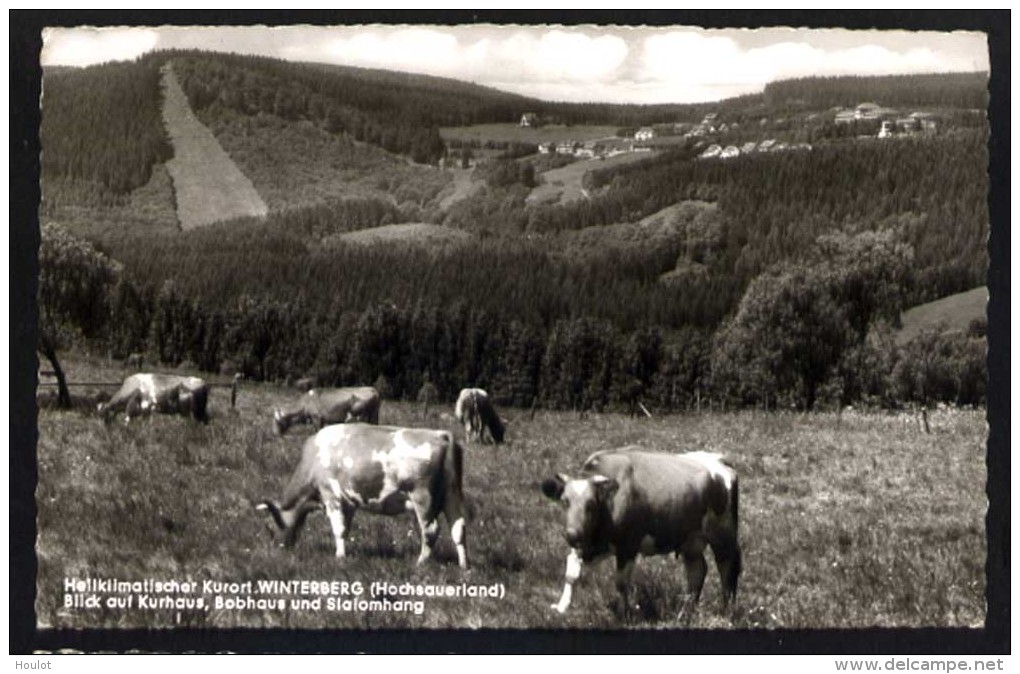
(529, 119)
(710, 152)
(645, 133)
(926, 120)
(729, 152)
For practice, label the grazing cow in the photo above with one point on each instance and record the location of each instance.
(323, 406)
(383, 469)
(162, 393)
(631, 502)
(475, 411)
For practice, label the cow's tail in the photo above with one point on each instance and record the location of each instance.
(453, 469)
(736, 561)
(454, 505)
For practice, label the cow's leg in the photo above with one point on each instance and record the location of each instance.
(570, 576)
(624, 572)
(696, 568)
(340, 515)
(454, 511)
(728, 562)
(133, 407)
(421, 500)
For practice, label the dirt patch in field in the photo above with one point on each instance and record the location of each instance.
(208, 185)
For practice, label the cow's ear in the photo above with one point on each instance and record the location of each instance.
(605, 486)
(553, 486)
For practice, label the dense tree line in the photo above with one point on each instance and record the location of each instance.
(813, 335)
(102, 131)
(944, 90)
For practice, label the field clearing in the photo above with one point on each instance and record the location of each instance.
(209, 186)
(410, 232)
(464, 186)
(956, 311)
(563, 185)
(847, 521)
(514, 133)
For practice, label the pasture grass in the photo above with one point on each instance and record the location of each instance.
(847, 521)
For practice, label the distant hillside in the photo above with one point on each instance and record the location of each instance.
(102, 131)
(945, 90)
(955, 312)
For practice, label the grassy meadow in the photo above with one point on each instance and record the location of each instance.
(563, 185)
(851, 520)
(955, 312)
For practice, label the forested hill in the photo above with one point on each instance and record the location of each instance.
(945, 90)
(778, 277)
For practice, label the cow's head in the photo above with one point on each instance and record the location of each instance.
(288, 521)
(586, 504)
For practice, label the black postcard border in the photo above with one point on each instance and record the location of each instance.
(25, 81)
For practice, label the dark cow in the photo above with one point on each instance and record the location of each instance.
(162, 393)
(475, 411)
(382, 469)
(323, 406)
(631, 502)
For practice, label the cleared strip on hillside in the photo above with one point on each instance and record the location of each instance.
(955, 311)
(208, 185)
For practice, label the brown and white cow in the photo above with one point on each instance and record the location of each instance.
(629, 502)
(381, 469)
(146, 393)
(476, 413)
(323, 406)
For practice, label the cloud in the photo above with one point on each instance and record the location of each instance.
(419, 49)
(526, 55)
(88, 46)
(687, 65)
(576, 63)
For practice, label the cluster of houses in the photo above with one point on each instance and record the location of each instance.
(892, 123)
(591, 149)
(770, 145)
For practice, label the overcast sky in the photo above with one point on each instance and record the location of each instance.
(566, 63)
